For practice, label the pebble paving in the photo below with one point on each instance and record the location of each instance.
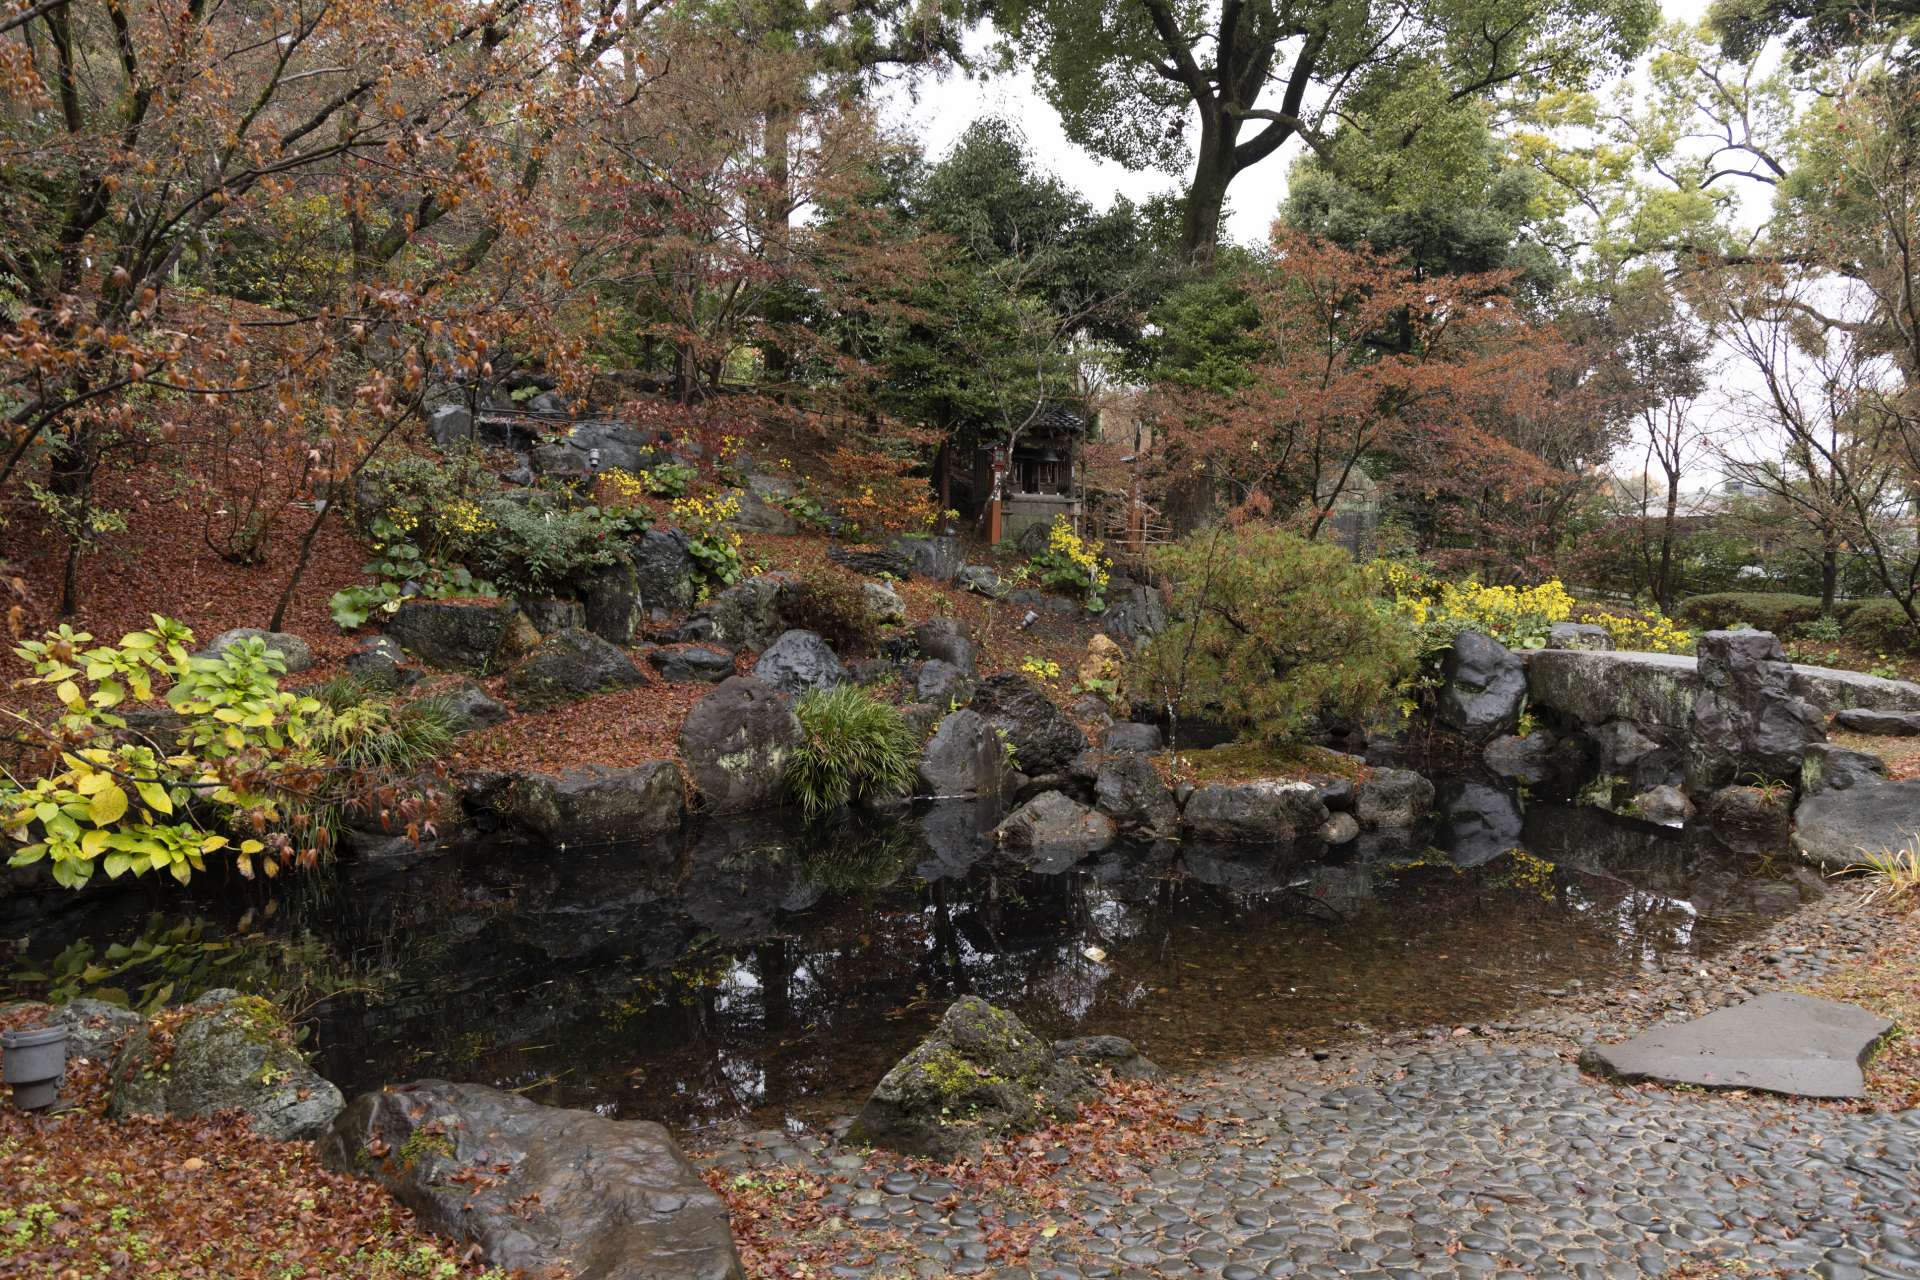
(1452, 1157)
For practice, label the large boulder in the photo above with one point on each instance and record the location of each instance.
(1831, 768)
(595, 803)
(746, 614)
(1128, 789)
(941, 684)
(1485, 685)
(736, 742)
(570, 665)
(1655, 690)
(664, 571)
(1622, 750)
(1114, 1055)
(227, 1052)
(469, 707)
(1837, 829)
(964, 757)
(759, 511)
(884, 604)
(1135, 613)
(1053, 823)
(539, 1190)
(1749, 819)
(456, 635)
(1747, 722)
(95, 1029)
(695, 664)
(947, 640)
(799, 661)
(1129, 736)
(378, 664)
(295, 652)
(938, 558)
(1887, 724)
(981, 1075)
(1393, 799)
(1528, 759)
(1042, 737)
(1578, 635)
(612, 605)
(1265, 810)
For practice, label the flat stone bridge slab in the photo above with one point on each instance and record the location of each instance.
(1657, 689)
(1778, 1043)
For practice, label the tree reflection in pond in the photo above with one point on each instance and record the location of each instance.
(754, 969)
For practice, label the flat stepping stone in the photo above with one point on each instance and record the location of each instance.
(1891, 724)
(1778, 1043)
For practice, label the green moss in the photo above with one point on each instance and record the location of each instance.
(950, 1075)
(420, 1144)
(1255, 761)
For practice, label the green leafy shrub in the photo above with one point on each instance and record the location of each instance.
(366, 728)
(1762, 610)
(534, 547)
(851, 745)
(1881, 625)
(1825, 629)
(829, 601)
(1270, 630)
(398, 562)
(669, 479)
(247, 759)
(713, 544)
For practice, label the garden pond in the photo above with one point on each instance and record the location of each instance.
(758, 970)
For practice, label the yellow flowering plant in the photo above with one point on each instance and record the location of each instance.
(714, 545)
(1074, 564)
(1654, 633)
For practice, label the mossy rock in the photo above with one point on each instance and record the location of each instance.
(227, 1051)
(981, 1075)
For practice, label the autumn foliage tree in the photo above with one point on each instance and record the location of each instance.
(142, 142)
(1366, 371)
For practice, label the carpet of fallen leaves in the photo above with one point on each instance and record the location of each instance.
(84, 1197)
(1901, 754)
(1887, 981)
(785, 1230)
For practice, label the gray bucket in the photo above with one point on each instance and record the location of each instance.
(35, 1061)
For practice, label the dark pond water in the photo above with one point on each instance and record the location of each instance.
(752, 970)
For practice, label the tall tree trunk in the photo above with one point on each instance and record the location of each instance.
(1207, 195)
(1665, 590)
(1829, 577)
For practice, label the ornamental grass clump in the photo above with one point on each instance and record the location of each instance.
(852, 745)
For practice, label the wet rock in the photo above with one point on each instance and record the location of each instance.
(1125, 735)
(1338, 794)
(1579, 635)
(1528, 759)
(476, 638)
(747, 614)
(1340, 829)
(1043, 739)
(664, 571)
(1746, 718)
(937, 557)
(1485, 685)
(1115, 1055)
(612, 607)
(470, 707)
(965, 757)
(449, 425)
(942, 684)
(736, 742)
(570, 665)
(1749, 819)
(230, 1052)
(1837, 828)
(799, 661)
(1666, 805)
(1264, 810)
(562, 1190)
(981, 1074)
(947, 640)
(1891, 724)
(1128, 789)
(1831, 768)
(1779, 1042)
(883, 603)
(695, 664)
(1393, 798)
(1052, 823)
(377, 664)
(1654, 690)
(1135, 613)
(295, 652)
(595, 803)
